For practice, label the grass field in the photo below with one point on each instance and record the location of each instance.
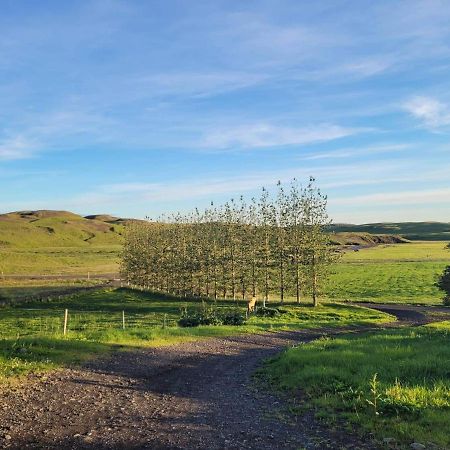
(392, 383)
(60, 260)
(31, 334)
(400, 273)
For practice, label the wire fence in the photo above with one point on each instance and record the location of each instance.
(31, 322)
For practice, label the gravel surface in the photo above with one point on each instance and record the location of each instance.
(196, 395)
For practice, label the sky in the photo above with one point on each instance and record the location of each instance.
(136, 108)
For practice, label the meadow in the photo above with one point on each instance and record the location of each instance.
(60, 260)
(398, 273)
(393, 383)
(31, 334)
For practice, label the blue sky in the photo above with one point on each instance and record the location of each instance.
(135, 108)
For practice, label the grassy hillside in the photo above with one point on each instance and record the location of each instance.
(424, 231)
(39, 229)
(58, 242)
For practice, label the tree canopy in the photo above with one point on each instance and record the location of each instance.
(271, 248)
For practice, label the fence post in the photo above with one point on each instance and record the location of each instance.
(66, 314)
(123, 320)
(165, 321)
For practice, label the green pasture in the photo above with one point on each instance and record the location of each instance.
(31, 334)
(390, 383)
(60, 260)
(398, 273)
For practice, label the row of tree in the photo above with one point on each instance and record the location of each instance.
(271, 247)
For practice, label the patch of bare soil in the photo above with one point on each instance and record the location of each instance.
(197, 395)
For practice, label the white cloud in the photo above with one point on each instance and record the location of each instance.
(268, 135)
(430, 111)
(196, 84)
(397, 198)
(18, 147)
(352, 152)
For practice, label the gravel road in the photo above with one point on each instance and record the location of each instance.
(196, 395)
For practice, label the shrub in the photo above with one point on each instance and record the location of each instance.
(443, 283)
(205, 315)
(234, 317)
(267, 312)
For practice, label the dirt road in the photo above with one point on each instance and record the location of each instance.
(190, 396)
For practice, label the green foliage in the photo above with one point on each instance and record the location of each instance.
(267, 312)
(238, 250)
(443, 284)
(233, 317)
(210, 315)
(391, 383)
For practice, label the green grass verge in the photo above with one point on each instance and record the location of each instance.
(409, 399)
(31, 334)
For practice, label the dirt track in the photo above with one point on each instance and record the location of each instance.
(190, 396)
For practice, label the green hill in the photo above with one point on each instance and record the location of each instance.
(37, 229)
(423, 231)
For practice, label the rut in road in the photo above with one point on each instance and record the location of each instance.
(196, 395)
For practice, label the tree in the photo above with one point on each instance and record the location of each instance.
(317, 253)
(443, 283)
(277, 245)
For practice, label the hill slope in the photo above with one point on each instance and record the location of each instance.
(25, 229)
(427, 231)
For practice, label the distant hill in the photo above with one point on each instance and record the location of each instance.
(366, 239)
(426, 231)
(43, 228)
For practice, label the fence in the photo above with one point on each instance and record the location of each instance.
(34, 322)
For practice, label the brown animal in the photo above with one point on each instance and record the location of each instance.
(251, 305)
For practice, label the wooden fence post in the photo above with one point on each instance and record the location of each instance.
(66, 314)
(123, 320)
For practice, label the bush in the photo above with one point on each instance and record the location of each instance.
(205, 315)
(443, 283)
(267, 312)
(234, 317)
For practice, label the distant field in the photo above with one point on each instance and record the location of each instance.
(401, 273)
(60, 260)
(63, 243)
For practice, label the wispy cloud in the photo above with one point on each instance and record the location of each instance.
(259, 135)
(17, 147)
(357, 152)
(397, 198)
(197, 84)
(432, 112)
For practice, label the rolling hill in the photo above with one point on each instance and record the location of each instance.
(416, 231)
(25, 229)
(45, 228)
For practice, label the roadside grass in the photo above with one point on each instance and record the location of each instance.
(31, 337)
(391, 383)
